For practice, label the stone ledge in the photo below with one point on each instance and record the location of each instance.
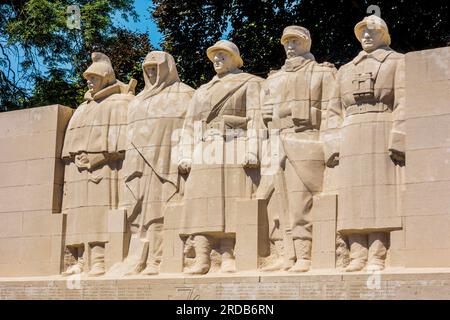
(319, 284)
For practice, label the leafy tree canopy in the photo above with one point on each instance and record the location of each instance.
(190, 26)
(52, 57)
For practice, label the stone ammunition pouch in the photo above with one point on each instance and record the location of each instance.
(228, 126)
(366, 108)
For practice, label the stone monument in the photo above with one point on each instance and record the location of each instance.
(295, 186)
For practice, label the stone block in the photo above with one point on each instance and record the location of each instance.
(427, 232)
(428, 165)
(427, 198)
(396, 253)
(248, 238)
(117, 246)
(37, 223)
(324, 213)
(428, 132)
(173, 245)
(11, 225)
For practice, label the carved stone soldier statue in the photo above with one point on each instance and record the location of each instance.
(292, 102)
(367, 139)
(226, 110)
(151, 175)
(93, 151)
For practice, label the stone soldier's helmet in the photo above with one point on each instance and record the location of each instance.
(228, 46)
(376, 23)
(298, 32)
(101, 66)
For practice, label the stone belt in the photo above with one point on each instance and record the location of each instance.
(366, 108)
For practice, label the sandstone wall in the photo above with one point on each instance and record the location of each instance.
(31, 179)
(427, 196)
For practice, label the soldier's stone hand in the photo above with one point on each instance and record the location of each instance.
(397, 157)
(98, 159)
(284, 112)
(333, 161)
(251, 160)
(82, 161)
(184, 166)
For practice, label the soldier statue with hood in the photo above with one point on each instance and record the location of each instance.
(151, 175)
(293, 100)
(366, 137)
(93, 151)
(225, 114)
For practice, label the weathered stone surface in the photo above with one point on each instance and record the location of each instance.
(411, 285)
(310, 170)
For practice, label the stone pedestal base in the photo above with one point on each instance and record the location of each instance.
(392, 284)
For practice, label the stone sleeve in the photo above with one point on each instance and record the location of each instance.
(397, 137)
(333, 121)
(254, 117)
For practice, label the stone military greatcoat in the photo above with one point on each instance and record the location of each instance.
(155, 119)
(369, 109)
(217, 177)
(97, 129)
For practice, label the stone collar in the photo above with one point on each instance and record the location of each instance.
(379, 54)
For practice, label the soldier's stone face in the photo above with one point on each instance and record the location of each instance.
(94, 82)
(152, 72)
(294, 47)
(371, 39)
(223, 62)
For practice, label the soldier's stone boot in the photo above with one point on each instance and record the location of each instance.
(377, 251)
(202, 256)
(303, 254)
(98, 260)
(278, 261)
(228, 261)
(155, 249)
(137, 269)
(358, 252)
(77, 253)
(77, 268)
(152, 268)
(342, 253)
(141, 264)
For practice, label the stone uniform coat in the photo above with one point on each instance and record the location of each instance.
(296, 95)
(217, 176)
(370, 116)
(98, 130)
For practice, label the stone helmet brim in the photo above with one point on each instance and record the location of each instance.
(227, 46)
(298, 32)
(101, 66)
(373, 22)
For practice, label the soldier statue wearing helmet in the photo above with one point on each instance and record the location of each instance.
(227, 111)
(366, 133)
(293, 100)
(93, 151)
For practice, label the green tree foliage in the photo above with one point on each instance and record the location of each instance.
(52, 57)
(189, 27)
(255, 26)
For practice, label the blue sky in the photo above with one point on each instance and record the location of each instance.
(145, 23)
